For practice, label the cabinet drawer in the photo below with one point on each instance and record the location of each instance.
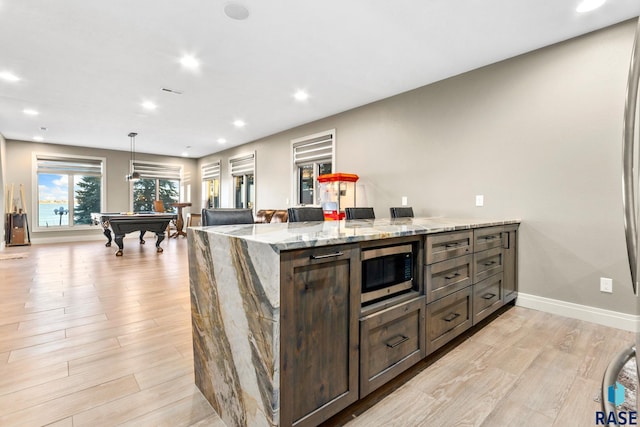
(487, 263)
(391, 341)
(487, 297)
(443, 246)
(447, 318)
(487, 238)
(446, 277)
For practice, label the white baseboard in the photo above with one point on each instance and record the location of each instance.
(614, 319)
(67, 239)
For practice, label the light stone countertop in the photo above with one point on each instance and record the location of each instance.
(288, 236)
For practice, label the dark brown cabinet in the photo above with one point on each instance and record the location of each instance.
(392, 340)
(487, 297)
(510, 250)
(320, 306)
(448, 317)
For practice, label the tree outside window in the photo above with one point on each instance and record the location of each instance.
(148, 190)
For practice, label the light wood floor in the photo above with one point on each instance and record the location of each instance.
(88, 339)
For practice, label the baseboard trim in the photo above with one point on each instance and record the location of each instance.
(67, 239)
(614, 319)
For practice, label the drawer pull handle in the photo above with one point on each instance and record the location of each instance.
(489, 237)
(451, 317)
(452, 245)
(489, 263)
(327, 255)
(488, 296)
(456, 274)
(400, 341)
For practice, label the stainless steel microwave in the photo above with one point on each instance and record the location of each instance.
(386, 271)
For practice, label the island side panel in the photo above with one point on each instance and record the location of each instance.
(235, 311)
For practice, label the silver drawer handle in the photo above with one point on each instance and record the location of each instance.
(452, 276)
(488, 296)
(327, 255)
(451, 317)
(489, 263)
(400, 341)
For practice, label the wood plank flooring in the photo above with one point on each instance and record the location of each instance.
(90, 339)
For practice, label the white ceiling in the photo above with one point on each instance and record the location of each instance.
(87, 65)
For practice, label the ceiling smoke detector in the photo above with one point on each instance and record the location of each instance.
(236, 11)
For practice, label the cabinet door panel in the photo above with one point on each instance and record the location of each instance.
(391, 341)
(487, 238)
(448, 317)
(440, 247)
(319, 333)
(487, 263)
(487, 297)
(446, 277)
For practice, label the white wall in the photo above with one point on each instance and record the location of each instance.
(538, 135)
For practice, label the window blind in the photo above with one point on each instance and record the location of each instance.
(244, 165)
(157, 170)
(211, 171)
(313, 149)
(69, 165)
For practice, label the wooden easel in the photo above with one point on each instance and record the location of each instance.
(16, 223)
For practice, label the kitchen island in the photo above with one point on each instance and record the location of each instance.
(279, 333)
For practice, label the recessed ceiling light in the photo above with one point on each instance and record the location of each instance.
(301, 95)
(239, 123)
(148, 105)
(38, 138)
(589, 5)
(30, 112)
(9, 77)
(185, 154)
(236, 11)
(221, 140)
(189, 61)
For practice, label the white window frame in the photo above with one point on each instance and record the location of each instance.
(157, 171)
(35, 203)
(310, 157)
(243, 165)
(209, 172)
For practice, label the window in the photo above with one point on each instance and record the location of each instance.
(313, 155)
(69, 190)
(157, 181)
(243, 172)
(211, 185)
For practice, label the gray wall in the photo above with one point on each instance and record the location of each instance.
(538, 135)
(20, 171)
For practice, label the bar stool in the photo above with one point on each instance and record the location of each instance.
(401, 212)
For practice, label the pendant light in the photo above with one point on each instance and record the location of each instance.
(133, 176)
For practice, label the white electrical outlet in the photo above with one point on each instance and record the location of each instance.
(404, 201)
(479, 200)
(606, 285)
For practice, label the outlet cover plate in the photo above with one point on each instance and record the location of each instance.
(606, 285)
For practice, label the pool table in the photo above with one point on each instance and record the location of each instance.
(123, 223)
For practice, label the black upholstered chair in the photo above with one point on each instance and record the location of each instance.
(303, 214)
(224, 216)
(401, 212)
(359, 213)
